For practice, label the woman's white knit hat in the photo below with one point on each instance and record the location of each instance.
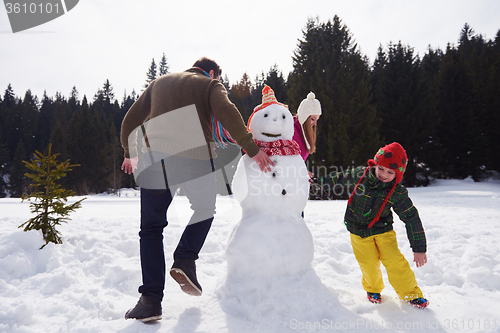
(308, 107)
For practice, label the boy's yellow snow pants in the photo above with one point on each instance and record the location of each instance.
(372, 250)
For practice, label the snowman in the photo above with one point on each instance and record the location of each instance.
(271, 241)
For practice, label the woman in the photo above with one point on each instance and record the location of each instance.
(305, 123)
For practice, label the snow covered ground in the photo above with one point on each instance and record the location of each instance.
(87, 283)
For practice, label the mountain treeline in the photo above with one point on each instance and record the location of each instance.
(443, 107)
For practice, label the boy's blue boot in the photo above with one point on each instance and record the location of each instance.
(374, 297)
(419, 303)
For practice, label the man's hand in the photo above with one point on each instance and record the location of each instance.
(420, 259)
(263, 161)
(130, 164)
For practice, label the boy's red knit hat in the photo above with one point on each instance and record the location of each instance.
(392, 156)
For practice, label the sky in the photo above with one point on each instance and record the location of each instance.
(116, 40)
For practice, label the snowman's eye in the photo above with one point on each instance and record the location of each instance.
(284, 117)
(265, 115)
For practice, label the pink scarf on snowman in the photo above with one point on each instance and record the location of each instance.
(279, 147)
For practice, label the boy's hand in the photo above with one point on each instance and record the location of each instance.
(420, 259)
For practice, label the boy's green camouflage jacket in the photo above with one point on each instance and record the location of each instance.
(367, 201)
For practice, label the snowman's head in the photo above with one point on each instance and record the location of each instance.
(272, 123)
(271, 120)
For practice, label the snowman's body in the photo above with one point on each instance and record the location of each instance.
(272, 239)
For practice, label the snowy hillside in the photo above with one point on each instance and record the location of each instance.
(87, 284)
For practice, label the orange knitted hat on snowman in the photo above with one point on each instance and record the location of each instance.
(268, 98)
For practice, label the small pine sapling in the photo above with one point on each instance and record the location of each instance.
(49, 198)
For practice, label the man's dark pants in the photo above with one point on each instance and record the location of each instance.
(198, 183)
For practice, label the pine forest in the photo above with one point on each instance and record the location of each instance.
(442, 106)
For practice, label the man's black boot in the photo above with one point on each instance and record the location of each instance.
(184, 272)
(147, 309)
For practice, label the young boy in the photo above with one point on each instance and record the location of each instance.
(369, 220)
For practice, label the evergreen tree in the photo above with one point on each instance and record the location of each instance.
(127, 102)
(491, 103)
(84, 148)
(112, 154)
(241, 95)
(29, 128)
(59, 140)
(17, 181)
(275, 80)
(11, 121)
(163, 65)
(4, 158)
(100, 120)
(454, 104)
(4, 153)
(256, 94)
(151, 74)
(399, 96)
(51, 209)
(104, 114)
(9, 99)
(45, 120)
(104, 108)
(225, 82)
(3, 113)
(243, 88)
(472, 49)
(480, 59)
(464, 102)
(432, 150)
(73, 102)
(377, 71)
(328, 63)
(107, 91)
(61, 111)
